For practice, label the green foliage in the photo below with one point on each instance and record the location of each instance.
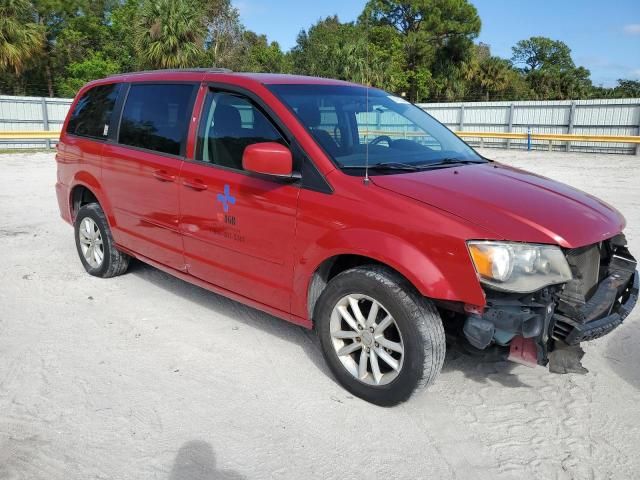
(21, 38)
(423, 49)
(337, 50)
(549, 69)
(436, 36)
(493, 78)
(80, 72)
(626, 89)
(170, 34)
(541, 53)
(262, 56)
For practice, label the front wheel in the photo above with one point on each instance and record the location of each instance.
(381, 339)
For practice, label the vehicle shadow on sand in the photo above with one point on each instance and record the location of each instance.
(482, 370)
(250, 317)
(196, 461)
(623, 351)
(473, 368)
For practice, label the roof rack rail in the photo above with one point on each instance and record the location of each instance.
(170, 70)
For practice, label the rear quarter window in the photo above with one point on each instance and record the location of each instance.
(92, 114)
(156, 117)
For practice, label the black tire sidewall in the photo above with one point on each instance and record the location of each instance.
(357, 281)
(93, 211)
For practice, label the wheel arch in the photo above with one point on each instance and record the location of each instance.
(333, 266)
(78, 196)
(85, 188)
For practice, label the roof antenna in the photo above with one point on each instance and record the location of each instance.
(368, 78)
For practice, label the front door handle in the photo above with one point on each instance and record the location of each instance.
(163, 176)
(195, 185)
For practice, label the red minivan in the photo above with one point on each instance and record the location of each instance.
(344, 209)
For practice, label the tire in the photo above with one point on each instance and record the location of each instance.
(416, 335)
(112, 262)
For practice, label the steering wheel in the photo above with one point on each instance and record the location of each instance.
(381, 138)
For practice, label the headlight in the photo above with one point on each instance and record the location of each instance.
(519, 267)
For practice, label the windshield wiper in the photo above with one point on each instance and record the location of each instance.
(387, 166)
(449, 161)
(410, 167)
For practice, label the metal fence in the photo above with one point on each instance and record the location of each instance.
(577, 117)
(31, 114)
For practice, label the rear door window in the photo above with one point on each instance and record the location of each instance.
(92, 114)
(156, 117)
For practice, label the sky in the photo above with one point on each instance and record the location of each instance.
(603, 36)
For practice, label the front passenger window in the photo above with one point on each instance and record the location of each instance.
(229, 124)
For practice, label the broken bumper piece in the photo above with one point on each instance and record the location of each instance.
(591, 325)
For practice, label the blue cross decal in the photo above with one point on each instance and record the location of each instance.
(226, 199)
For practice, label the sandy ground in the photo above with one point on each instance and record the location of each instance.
(148, 377)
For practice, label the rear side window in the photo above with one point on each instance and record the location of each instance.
(156, 117)
(92, 113)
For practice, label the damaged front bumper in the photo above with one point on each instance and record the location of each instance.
(607, 308)
(527, 328)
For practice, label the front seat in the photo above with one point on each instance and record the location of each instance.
(225, 143)
(310, 115)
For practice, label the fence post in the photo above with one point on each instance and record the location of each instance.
(511, 107)
(45, 119)
(528, 138)
(572, 116)
(638, 144)
(461, 125)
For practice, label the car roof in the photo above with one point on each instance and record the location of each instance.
(211, 74)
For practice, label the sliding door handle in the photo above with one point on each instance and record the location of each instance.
(197, 185)
(163, 176)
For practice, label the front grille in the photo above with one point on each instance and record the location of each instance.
(585, 266)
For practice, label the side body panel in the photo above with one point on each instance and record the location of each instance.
(239, 232)
(142, 188)
(425, 245)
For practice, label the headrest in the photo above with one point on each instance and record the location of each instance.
(226, 119)
(309, 113)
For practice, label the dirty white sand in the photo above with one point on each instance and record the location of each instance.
(148, 377)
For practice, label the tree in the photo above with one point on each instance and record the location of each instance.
(537, 53)
(627, 88)
(53, 16)
(437, 35)
(550, 70)
(81, 72)
(262, 56)
(338, 50)
(21, 38)
(170, 34)
(225, 41)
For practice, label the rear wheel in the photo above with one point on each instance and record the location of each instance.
(381, 338)
(95, 245)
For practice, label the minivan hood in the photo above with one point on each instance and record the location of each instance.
(513, 204)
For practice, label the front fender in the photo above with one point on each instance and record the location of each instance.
(441, 273)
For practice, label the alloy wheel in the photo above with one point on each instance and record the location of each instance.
(91, 242)
(366, 339)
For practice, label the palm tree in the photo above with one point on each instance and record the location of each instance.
(495, 76)
(21, 38)
(170, 34)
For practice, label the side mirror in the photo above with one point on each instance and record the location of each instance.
(268, 158)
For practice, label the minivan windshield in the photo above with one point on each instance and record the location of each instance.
(357, 126)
